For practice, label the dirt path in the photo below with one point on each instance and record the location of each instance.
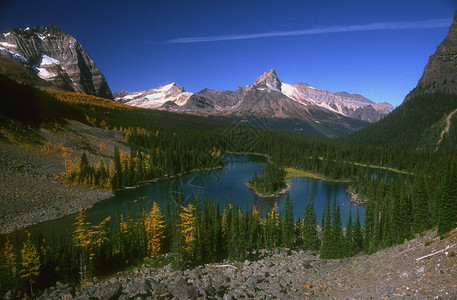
(446, 130)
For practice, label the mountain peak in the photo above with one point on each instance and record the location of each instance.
(269, 79)
(440, 73)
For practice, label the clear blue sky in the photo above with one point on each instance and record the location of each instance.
(144, 44)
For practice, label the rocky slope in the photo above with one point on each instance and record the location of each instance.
(440, 73)
(46, 57)
(423, 268)
(268, 96)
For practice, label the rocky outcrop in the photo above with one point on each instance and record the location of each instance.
(440, 73)
(46, 57)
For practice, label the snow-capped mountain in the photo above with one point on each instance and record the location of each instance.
(268, 96)
(155, 98)
(46, 57)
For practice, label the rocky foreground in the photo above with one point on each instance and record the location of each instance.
(424, 268)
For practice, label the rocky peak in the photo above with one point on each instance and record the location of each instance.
(46, 57)
(440, 73)
(268, 80)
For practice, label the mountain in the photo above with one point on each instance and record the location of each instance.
(46, 57)
(427, 117)
(440, 73)
(268, 96)
(154, 98)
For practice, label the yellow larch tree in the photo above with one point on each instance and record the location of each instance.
(155, 227)
(30, 261)
(188, 228)
(7, 263)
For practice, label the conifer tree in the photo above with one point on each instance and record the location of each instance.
(350, 245)
(30, 261)
(326, 250)
(421, 218)
(337, 232)
(188, 225)
(154, 226)
(7, 264)
(288, 224)
(309, 226)
(358, 235)
(447, 219)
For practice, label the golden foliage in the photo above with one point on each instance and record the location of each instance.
(154, 230)
(188, 227)
(30, 261)
(7, 257)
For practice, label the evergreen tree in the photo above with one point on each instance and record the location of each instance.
(358, 235)
(288, 224)
(349, 241)
(448, 203)
(421, 218)
(309, 227)
(326, 249)
(337, 232)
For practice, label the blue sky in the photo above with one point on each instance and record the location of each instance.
(332, 45)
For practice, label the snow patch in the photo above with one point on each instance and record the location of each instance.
(166, 87)
(43, 73)
(6, 34)
(14, 55)
(42, 37)
(5, 44)
(288, 90)
(46, 60)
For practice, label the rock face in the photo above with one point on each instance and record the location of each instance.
(440, 73)
(46, 57)
(267, 97)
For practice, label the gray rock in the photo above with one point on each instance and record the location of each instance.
(67, 64)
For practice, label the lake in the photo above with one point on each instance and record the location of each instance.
(226, 185)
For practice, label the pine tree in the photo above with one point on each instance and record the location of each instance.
(116, 181)
(288, 224)
(350, 246)
(358, 235)
(326, 250)
(154, 226)
(337, 232)
(422, 215)
(448, 202)
(30, 261)
(309, 227)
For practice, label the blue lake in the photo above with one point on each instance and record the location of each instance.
(225, 186)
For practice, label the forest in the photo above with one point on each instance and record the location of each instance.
(407, 189)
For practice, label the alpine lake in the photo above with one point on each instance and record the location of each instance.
(226, 185)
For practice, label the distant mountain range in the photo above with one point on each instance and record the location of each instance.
(46, 57)
(268, 96)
